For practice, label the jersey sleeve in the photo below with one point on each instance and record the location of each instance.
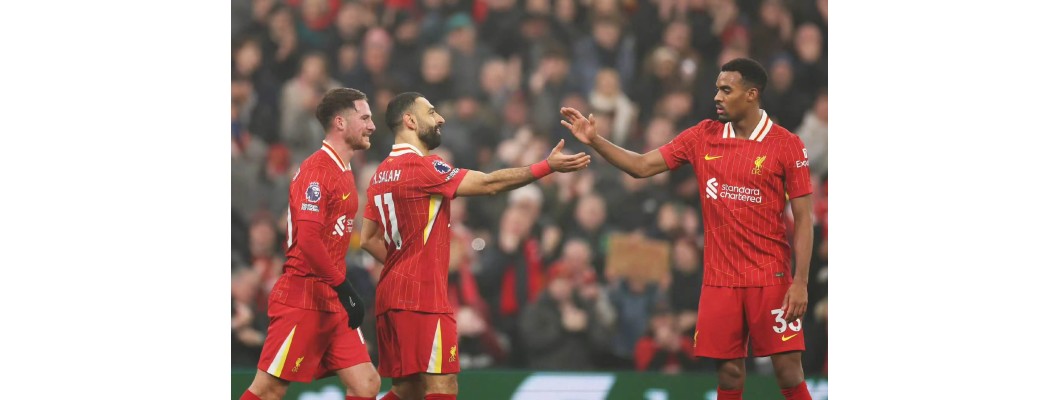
(310, 191)
(440, 177)
(681, 150)
(796, 168)
(371, 212)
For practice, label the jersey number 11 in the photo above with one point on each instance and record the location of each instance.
(391, 234)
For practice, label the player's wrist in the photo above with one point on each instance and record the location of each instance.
(799, 281)
(541, 169)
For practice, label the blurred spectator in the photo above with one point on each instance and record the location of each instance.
(678, 37)
(664, 349)
(686, 284)
(608, 47)
(495, 87)
(548, 84)
(568, 20)
(590, 216)
(773, 31)
(814, 134)
(677, 107)
(633, 299)
(265, 256)
(640, 201)
(300, 130)
(283, 51)
(607, 97)
(562, 331)
(352, 21)
(258, 111)
(248, 328)
(347, 58)
(466, 133)
(251, 18)
(817, 340)
(375, 61)
(811, 70)
(512, 275)
(479, 344)
(500, 29)
(784, 103)
(576, 259)
(660, 75)
(314, 26)
(436, 82)
(406, 56)
(469, 56)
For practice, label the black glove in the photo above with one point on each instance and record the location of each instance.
(351, 302)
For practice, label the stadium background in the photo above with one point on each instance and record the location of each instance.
(499, 70)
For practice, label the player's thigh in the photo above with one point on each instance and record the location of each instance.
(413, 342)
(721, 331)
(441, 383)
(347, 348)
(770, 334)
(294, 343)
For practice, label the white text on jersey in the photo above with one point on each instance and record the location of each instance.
(387, 176)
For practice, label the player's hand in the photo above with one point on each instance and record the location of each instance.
(583, 128)
(795, 302)
(560, 162)
(351, 302)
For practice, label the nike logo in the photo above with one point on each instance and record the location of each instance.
(786, 338)
(345, 196)
(708, 157)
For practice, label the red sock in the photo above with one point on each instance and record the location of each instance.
(390, 396)
(799, 392)
(359, 398)
(439, 396)
(730, 394)
(249, 396)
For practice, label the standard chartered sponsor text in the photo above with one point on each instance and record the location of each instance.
(741, 193)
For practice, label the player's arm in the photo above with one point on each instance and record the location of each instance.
(311, 241)
(477, 183)
(372, 240)
(635, 164)
(795, 302)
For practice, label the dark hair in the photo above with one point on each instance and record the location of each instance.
(336, 100)
(750, 70)
(397, 108)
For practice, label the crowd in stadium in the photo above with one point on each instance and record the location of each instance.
(540, 277)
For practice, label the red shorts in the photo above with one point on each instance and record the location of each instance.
(727, 316)
(302, 345)
(412, 342)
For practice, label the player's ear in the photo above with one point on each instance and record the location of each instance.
(410, 122)
(339, 122)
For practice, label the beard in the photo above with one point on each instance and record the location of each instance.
(432, 137)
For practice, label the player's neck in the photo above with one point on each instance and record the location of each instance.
(745, 127)
(414, 142)
(342, 149)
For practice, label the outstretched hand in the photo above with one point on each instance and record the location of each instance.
(566, 163)
(583, 128)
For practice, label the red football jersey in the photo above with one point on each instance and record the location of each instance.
(408, 197)
(323, 191)
(742, 195)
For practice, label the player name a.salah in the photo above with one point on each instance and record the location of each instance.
(387, 176)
